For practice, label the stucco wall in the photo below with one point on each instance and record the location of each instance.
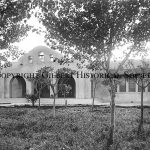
(83, 87)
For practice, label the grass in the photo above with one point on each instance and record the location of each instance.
(74, 128)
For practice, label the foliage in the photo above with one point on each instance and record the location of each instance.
(65, 89)
(141, 71)
(13, 18)
(43, 78)
(62, 73)
(53, 82)
(91, 30)
(40, 81)
(142, 80)
(95, 28)
(32, 98)
(13, 52)
(93, 25)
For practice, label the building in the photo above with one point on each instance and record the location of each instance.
(14, 83)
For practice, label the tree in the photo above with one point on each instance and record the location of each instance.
(13, 25)
(64, 89)
(91, 30)
(52, 83)
(47, 79)
(39, 82)
(11, 53)
(32, 98)
(141, 73)
(13, 18)
(95, 82)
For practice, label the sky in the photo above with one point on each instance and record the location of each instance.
(33, 39)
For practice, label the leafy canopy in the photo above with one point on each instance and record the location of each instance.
(95, 27)
(13, 20)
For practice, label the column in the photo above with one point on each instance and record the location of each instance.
(127, 86)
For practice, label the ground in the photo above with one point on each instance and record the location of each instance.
(74, 128)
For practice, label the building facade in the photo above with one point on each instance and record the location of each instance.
(14, 83)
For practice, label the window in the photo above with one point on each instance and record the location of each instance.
(122, 86)
(41, 56)
(139, 89)
(30, 59)
(149, 88)
(132, 86)
(51, 57)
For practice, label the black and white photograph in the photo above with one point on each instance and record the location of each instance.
(74, 74)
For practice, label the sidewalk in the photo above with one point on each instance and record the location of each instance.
(79, 102)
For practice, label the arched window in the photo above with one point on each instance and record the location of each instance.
(41, 56)
(51, 57)
(30, 59)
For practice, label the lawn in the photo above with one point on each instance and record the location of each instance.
(74, 128)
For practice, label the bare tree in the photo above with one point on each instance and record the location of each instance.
(142, 79)
(48, 80)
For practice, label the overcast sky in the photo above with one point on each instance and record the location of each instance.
(33, 40)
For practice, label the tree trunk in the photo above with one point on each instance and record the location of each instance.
(112, 122)
(65, 100)
(54, 108)
(93, 104)
(0, 67)
(39, 100)
(93, 99)
(140, 128)
(64, 95)
(33, 103)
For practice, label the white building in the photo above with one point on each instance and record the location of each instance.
(14, 83)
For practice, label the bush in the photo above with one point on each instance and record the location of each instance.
(31, 98)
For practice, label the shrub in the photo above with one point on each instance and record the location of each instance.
(31, 98)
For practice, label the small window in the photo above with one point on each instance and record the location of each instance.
(132, 85)
(30, 59)
(41, 56)
(122, 86)
(51, 57)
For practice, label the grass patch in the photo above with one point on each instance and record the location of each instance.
(74, 128)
